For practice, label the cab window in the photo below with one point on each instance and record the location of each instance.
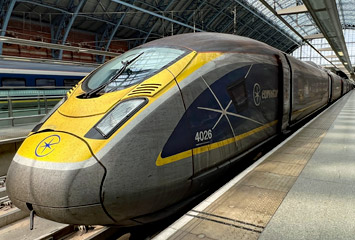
(132, 67)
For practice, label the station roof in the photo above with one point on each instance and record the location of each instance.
(140, 21)
(315, 20)
(137, 21)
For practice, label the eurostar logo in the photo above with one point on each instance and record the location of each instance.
(47, 145)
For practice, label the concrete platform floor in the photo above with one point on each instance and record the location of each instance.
(320, 205)
(304, 189)
(16, 132)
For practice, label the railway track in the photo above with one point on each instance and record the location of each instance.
(14, 224)
(48, 230)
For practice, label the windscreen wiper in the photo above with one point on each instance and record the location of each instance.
(95, 91)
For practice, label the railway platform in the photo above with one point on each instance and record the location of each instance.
(11, 139)
(15, 133)
(303, 189)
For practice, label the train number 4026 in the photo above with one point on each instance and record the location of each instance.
(203, 135)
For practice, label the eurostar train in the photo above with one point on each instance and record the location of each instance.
(156, 125)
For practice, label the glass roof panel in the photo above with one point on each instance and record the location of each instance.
(306, 53)
(346, 10)
(303, 23)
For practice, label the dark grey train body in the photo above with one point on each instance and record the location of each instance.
(179, 127)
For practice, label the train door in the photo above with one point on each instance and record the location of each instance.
(285, 96)
(329, 89)
(209, 121)
(257, 118)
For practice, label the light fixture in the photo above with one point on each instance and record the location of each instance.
(341, 54)
(121, 113)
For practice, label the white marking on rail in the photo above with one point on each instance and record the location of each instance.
(178, 224)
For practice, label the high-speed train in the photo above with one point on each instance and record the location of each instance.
(158, 124)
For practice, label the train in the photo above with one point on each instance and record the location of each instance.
(17, 73)
(27, 83)
(156, 126)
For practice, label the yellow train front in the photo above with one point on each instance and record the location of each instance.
(155, 126)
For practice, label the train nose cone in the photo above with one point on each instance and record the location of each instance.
(57, 175)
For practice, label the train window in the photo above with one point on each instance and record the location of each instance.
(13, 82)
(41, 82)
(70, 82)
(238, 94)
(133, 67)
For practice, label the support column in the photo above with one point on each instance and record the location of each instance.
(6, 8)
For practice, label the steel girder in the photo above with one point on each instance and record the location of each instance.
(6, 8)
(264, 20)
(61, 31)
(255, 33)
(147, 23)
(155, 24)
(244, 23)
(220, 12)
(109, 33)
(217, 15)
(192, 14)
(155, 14)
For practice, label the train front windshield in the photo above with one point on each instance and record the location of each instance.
(132, 68)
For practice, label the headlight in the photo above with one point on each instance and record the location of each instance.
(39, 125)
(116, 117)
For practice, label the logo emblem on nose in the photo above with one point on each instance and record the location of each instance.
(47, 145)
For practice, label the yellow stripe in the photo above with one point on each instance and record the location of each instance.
(163, 161)
(304, 109)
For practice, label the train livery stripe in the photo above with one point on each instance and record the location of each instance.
(163, 161)
(59, 166)
(306, 108)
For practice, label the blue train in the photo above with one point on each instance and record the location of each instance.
(32, 74)
(28, 83)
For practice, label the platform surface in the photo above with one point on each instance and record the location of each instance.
(321, 203)
(304, 189)
(16, 132)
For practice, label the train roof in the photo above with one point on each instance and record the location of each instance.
(26, 65)
(210, 42)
